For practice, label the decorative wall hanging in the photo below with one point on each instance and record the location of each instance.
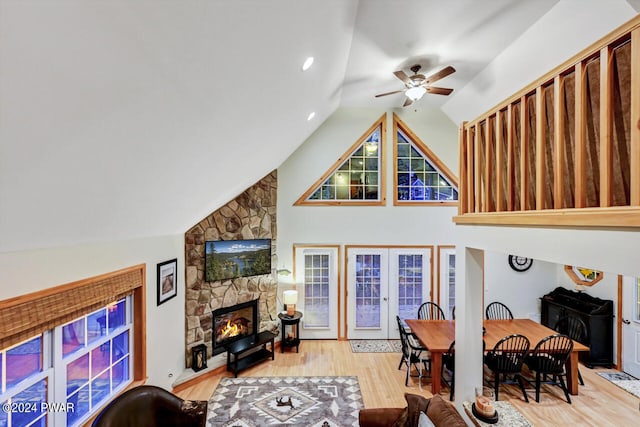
(583, 276)
(167, 276)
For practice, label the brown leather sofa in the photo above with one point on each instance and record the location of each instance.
(150, 406)
(439, 411)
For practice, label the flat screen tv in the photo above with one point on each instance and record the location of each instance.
(228, 259)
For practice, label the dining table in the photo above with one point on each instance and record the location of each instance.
(437, 335)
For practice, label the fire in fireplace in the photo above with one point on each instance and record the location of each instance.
(233, 323)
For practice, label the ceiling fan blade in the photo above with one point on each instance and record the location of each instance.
(407, 102)
(389, 93)
(440, 74)
(402, 76)
(439, 90)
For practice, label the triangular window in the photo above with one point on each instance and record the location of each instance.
(357, 177)
(421, 177)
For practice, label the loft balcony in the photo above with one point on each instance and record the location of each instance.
(565, 150)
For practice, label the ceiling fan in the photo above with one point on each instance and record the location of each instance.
(417, 84)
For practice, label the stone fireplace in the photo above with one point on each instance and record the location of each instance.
(233, 323)
(251, 215)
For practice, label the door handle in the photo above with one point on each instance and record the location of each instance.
(626, 322)
(384, 298)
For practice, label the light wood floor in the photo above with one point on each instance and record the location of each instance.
(600, 403)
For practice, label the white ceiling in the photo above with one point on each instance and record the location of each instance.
(131, 118)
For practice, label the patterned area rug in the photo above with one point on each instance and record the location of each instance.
(624, 381)
(298, 401)
(376, 346)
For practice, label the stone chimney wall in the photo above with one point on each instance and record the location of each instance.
(251, 215)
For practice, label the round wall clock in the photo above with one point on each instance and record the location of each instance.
(519, 263)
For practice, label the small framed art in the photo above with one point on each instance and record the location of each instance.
(167, 280)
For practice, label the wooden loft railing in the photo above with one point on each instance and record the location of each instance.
(565, 150)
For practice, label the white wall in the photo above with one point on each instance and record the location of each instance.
(30, 271)
(565, 30)
(360, 224)
(520, 291)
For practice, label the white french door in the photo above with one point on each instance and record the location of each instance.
(447, 280)
(383, 283)
(317, 276)
(631, 326)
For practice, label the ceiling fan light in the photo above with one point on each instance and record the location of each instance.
(415, 92)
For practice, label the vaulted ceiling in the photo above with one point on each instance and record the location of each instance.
(122, 119)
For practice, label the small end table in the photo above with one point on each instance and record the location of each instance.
(294, 321)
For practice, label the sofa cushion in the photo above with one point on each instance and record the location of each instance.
(425, 421)
(443, 413)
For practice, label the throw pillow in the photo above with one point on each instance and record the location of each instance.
(425, 421)
(415, 405)
(443, 413)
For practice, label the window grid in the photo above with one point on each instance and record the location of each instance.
(418, 179)
(368, 291)
(410, 282)
(80, 376)
(92, 372)
(316, 295)
(358, 178)
(25, 381)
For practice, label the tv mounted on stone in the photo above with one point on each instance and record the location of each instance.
(228, 259)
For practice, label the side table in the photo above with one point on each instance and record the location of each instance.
(294, 321)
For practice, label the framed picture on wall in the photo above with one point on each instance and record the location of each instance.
(167, 280)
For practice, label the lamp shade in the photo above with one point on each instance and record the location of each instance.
(290, 297)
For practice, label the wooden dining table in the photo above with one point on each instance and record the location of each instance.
(436, 335)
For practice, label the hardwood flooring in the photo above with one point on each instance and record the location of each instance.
(600, 403)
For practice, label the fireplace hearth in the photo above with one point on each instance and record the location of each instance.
(233, 323)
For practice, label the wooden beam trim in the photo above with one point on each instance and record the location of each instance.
(606, 126)
(524, 153)
(540, 148)
(558, 142)
(614, 217)
(476, 170)
(580, 136)
(462, 167)
(510, 158)
(499, 206)
(470, 187)
(635, 117)
(487, 166)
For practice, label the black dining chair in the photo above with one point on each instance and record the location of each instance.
(506, 359)
(498, 311)
(430, 311)
(413, 353)
(449, 363)
(549, 358)
(576, 329)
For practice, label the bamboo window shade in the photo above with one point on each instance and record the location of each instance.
(28, 315)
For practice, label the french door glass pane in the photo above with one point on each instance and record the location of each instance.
(316, 291)
(368, 291)
(409, 285)
(452, 284)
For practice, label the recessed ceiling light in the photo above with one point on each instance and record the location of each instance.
(311, 116)
(307, 63)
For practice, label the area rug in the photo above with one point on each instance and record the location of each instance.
(376, 346)
(281, 401)
(624, 381)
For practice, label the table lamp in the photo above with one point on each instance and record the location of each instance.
(290, 299)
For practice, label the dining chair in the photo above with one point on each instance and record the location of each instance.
(430, 311)
(449, 363)
(506, 359)
(576, 329)
(453, 313)
(549, 358)
(498, 311)
(413, 353)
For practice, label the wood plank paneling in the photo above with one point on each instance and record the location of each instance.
(635, 117)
